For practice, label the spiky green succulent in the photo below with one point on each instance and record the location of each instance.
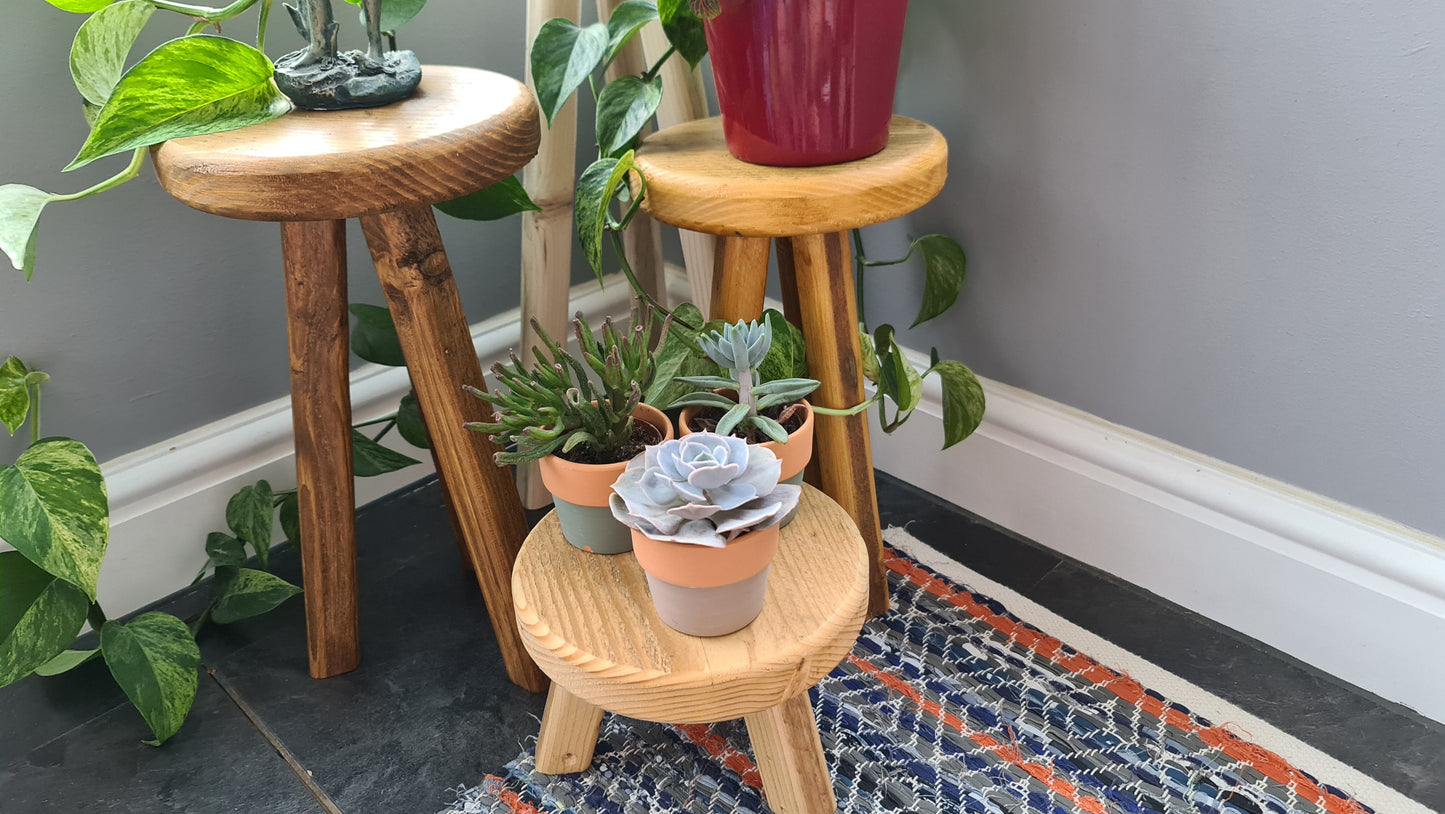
(560, 402)
(739, 349)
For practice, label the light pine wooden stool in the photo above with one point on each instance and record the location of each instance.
(589, 622)
(464, 130)
(694, 183)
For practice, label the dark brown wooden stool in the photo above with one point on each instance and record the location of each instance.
(464, 130)
(694, 183)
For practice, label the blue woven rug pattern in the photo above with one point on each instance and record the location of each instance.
(948, 703)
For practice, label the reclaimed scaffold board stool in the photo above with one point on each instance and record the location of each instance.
(589, 621)
(464, 130)
(694, 183)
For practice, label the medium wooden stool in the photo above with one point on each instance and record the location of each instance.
(589, 622)
(694, 183)
(464, 130)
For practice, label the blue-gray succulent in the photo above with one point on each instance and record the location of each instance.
(705, 489)
(739, 349)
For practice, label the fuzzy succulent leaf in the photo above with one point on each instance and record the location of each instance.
(703, 489)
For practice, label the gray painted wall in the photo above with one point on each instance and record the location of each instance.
(1217, 222)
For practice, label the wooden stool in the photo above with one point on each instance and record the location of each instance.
(464, 130)
(694, 183)
(589, 622)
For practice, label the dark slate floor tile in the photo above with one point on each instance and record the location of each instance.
(217, 763)
(1384, 740)
(430, 708)
(968, 538)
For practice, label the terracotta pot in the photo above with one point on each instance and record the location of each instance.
(703, 591)
(794, 455)
(806, 82)
(580, 493)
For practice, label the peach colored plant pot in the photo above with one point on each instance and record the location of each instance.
(580, 493)
(794, 455)
(704, 591)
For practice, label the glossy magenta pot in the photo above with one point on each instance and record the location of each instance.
(806, 82)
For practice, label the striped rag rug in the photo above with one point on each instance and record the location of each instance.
(953, 703)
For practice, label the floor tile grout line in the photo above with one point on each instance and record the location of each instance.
(297, 769)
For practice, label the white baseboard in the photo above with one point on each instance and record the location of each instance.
(1348, 592)
(1351, 593)
(165, 498)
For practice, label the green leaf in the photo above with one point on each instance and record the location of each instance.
(394, 13)
(79, 6)
(14, 394)
(409, 422)
(595, 189)
(97, 57)
(564, 54)
(732, 418)
(945, 267)
(369, 459)
(684, 30)
(55, 510)
(870, 354)
(39, 615)
(374, 336)
(20, 208)
(963, 401)
(156, 662)
(186, 87)
(65, 662)
(625, 21)
(252, 593)
(224, 550)
(787, 358)
(290, 514)
(678, 356)
(248, 513)
(500, 200)
(623, 109)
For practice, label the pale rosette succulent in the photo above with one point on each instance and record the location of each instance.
(704, 489)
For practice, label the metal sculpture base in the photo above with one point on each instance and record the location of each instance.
(351, 80)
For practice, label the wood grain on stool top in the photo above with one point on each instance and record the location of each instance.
(694, 183)
(465, 129)
(589, 622)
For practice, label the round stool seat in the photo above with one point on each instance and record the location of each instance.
(463, 130)
(693, 182)
(588, 621)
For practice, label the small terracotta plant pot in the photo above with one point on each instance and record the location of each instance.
(580, 493)
(704, 591)
(794, 455)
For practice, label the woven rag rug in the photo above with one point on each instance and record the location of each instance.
(955, 701)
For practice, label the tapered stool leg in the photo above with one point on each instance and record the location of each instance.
(740, 278)
(793, 311)
(790, 758)
(417, 282)
(822, 264)
(569, 733)
(314, 255)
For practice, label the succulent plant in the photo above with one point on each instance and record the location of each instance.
(555, 405)
(739, 349)
(705, 489)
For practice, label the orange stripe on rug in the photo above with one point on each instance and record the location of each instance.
(514, 803)
(739, 762)
(1010, 753)
(1266, 762)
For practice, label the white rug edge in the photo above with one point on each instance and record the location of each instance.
(1368, 790)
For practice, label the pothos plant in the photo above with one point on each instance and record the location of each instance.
(54, 512)
(565, 56)
(199, 83)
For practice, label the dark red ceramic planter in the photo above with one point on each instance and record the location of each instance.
(806, 82)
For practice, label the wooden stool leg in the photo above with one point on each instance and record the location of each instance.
(740, 278)
(790, 758)
(835, 358)
(314, 256)
(569, 733)
(793, 311)
(417, 282)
